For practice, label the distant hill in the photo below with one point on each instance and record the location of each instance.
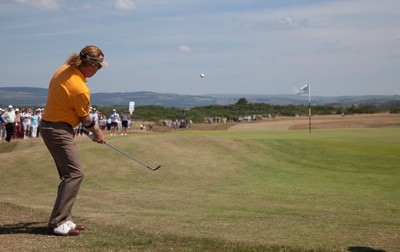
(28, 96)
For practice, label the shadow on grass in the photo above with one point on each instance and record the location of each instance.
(8, 147)
(364, 249)
(35, 227)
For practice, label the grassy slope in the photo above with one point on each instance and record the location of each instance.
(216, 190)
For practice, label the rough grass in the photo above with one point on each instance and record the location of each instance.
(333, 190)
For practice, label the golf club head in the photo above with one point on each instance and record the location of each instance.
(154, 169)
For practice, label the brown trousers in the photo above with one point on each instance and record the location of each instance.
(59, 139)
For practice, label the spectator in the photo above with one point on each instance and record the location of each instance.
(40, 115)
(94, 115)
(2, 126)
(18, 126)
(26, 122)
(103, 123)
(125, 119)
(9, 119)
(78, 130)
(34, 124)
(108, 124)
(114, 121)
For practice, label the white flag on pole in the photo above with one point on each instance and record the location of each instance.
(131, 107)
(304, 90)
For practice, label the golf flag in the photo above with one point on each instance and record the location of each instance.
(131, 107)
(304, 90)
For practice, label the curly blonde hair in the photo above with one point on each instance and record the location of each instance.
(88, 55)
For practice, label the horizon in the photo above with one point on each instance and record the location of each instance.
(232, 95)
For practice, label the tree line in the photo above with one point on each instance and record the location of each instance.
(242, 108)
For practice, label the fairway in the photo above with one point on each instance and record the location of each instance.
(217, 190)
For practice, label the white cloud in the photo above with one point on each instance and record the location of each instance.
(125, 5)
(289, 22)
(394, 54)
(43, 4)
(270, 57)
(336, 47)
(88, 6)
(185, 48)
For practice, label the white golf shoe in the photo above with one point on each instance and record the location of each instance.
(72, 225)
(64, 230)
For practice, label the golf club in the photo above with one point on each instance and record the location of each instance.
(122, 152)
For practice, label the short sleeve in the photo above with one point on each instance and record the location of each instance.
(82, 104)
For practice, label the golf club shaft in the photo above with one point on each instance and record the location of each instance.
(129, 156)
(123, 152)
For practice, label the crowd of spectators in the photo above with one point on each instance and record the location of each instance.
(24, 123)
(19, 123)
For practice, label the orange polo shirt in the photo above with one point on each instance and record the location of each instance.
(68, 96)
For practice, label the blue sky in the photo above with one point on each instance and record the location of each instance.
(339, 47)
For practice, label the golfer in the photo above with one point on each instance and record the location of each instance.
(68, 104)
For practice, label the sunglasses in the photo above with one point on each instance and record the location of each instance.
(98, 66)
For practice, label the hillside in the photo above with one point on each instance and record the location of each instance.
(28, 96)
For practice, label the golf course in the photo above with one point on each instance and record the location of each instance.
(270, 185)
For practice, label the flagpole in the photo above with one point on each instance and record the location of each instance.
(309, 107)
(303, 90)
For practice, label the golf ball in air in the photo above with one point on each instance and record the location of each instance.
(202, 75)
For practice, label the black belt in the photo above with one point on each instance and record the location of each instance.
(60, 123)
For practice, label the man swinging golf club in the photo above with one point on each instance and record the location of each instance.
(68, 104)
